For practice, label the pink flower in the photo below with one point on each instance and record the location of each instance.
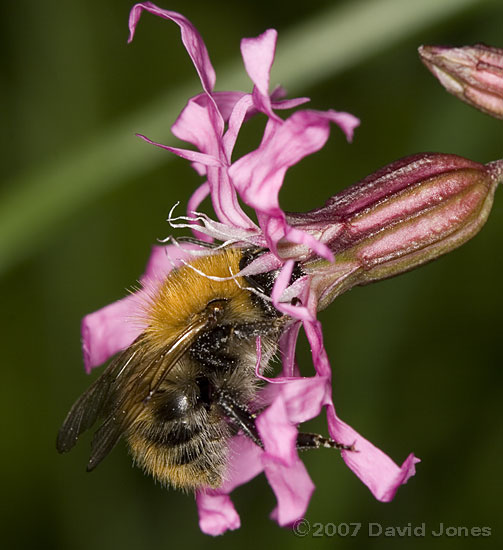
(211, 122)
(407, 213)
(474, 74)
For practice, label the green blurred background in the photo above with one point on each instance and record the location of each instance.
(416, 359)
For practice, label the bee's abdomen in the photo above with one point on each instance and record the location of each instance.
(186, 454)
(177, 435)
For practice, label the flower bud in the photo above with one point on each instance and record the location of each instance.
(474, 74)
(406, 214)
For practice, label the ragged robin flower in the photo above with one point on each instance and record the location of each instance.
(406, 214)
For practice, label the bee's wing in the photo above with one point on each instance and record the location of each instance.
(139, 390)
(93, 402)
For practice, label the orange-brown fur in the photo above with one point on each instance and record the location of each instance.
(185, 293)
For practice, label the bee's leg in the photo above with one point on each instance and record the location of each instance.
(239, 415)
(243, 419)
(316, 441)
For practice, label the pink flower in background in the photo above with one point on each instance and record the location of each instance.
(474, 74)
(406, 214)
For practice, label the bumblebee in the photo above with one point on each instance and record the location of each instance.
(187, 384)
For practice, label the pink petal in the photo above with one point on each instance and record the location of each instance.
(236, 119)
(244, 463)
(197, 124)
(287, 345)
(116, 326)
(376, 469)
(276, 229)
(282, 281)
(258, 176)
(305, 397)
(264, 263)
(295, 235)
(225, 201)
(299, 312)
(199, 168)
(237, 107)
(200, 125)
(193, 156)
(191, 39)
(346, 121)
(205, 121)
(293, 489)
(200, 122)
(258, 57)
(216, 513)
(193, 204)
(276, 431)
(284, 470)
(226, 101)
(315, 338)
(277, 101)
(109, 330)
(279, 93)
(289, 103)
(197, 198)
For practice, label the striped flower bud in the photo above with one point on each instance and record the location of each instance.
(404, 215)
(474, 74)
